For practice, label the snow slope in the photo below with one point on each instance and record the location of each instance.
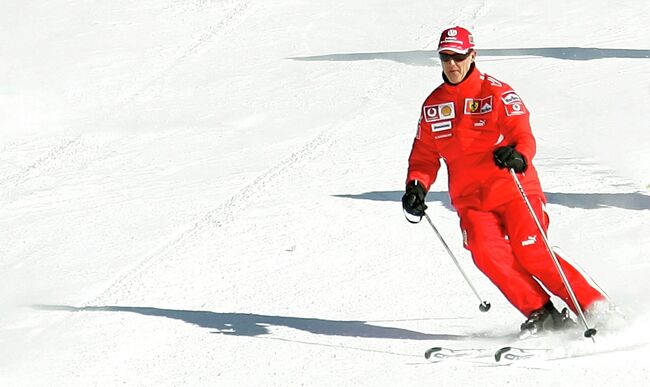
(207, 192)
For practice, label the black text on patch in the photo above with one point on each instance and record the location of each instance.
(441, 126)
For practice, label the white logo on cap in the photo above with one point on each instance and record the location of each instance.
(452, 33)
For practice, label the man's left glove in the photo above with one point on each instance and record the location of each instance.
(413, 199)
(509, 157)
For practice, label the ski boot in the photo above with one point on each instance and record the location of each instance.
(545, 319)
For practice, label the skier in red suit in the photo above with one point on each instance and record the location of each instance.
(480, 127)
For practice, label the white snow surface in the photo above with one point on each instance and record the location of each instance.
(205, 193)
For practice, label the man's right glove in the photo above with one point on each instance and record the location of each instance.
(509, 157)
(413, 199)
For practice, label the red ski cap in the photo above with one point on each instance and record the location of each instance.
(456, 39)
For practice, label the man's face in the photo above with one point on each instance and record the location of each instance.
(454, 66)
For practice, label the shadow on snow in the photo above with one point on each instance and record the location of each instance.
(247, 324)
(426, 57)
(628, 201)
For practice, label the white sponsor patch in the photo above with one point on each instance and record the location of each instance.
(440, 112)
(445, 135)
(441, 126)
(510, 97)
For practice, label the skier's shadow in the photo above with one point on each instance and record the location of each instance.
(248, 324)
(628, 201)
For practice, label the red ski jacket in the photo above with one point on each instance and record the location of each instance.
(463, 124)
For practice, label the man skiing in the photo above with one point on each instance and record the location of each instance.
(480, 127)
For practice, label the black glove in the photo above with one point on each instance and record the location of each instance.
(509, 157)
(413, 199)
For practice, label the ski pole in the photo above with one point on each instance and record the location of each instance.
(484, 306)
(589, 332)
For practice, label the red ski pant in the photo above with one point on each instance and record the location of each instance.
(507, 247)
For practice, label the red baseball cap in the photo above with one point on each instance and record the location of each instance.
(456, 39)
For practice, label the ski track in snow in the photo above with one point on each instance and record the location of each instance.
(226, 213)
(206, 225)
(476, 13)
(66, 148)
(71, 150)
(229, 21)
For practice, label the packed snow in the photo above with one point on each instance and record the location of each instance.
(208, 192)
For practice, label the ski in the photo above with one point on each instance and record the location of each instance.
(509, 355)
(500, 355)
(442, 354)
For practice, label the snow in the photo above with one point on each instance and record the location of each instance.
(207, 192)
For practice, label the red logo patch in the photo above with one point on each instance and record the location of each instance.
(515, 109)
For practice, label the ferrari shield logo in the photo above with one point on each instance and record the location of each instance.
(478, 105)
